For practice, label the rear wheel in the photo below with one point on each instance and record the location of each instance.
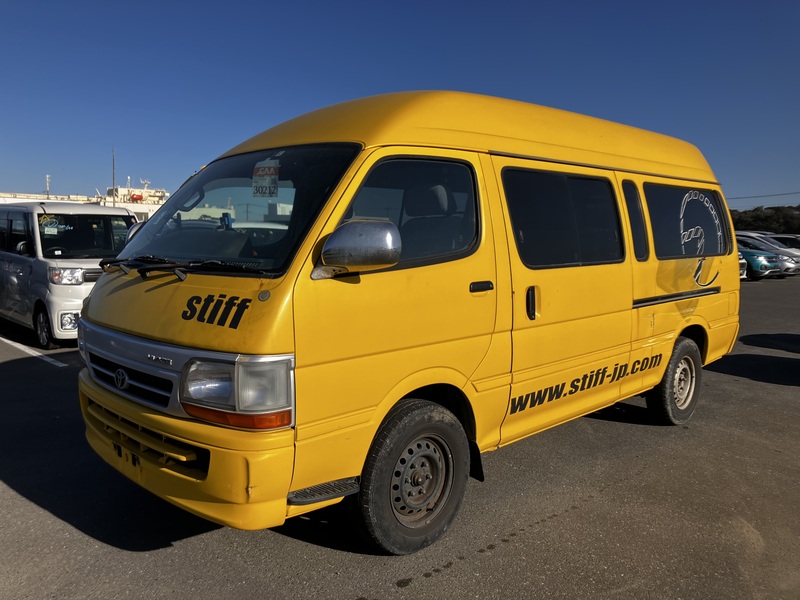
(674, 400)
(44, 334)
(414, 477)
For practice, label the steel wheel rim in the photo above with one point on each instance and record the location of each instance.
(421, 481)
(684, 383)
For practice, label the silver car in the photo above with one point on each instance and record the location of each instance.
(792, 240)
(788, 258)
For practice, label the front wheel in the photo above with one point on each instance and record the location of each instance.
(674, 400)
(753, 275)
(414, 477)
(44, 334)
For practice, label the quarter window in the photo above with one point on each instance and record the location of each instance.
(561, 219)
(685, 221)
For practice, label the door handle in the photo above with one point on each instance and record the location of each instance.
(481, 286)
(530, 302)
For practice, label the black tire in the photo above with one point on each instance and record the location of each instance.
(675, 399)
(753, 275)
(44, 333)
(414, 477)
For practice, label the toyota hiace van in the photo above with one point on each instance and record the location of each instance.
(435, 275)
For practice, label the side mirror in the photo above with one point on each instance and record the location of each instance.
(133, 230)
(22, 249)
(358, 246)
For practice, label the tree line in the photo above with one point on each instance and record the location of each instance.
(777, 219)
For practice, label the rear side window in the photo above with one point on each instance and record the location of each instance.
(686, 221)
(3, 230)
(634, 204)
(432, 203)
(20, 229)
(561, 219)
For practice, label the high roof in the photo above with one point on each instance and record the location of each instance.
(65, 207)
(486, 124)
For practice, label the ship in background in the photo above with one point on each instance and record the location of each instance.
(142, 201)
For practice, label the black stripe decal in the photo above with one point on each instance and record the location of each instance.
(675, 297)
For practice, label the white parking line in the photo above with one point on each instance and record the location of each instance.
(27, 350)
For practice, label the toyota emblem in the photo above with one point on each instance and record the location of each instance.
(121, 379)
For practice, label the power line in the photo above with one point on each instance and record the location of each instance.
(761, 196)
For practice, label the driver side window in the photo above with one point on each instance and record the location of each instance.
(432, 203)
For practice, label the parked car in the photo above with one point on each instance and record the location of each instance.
(768, 243)
(760, 264)
(50, 256)
(789, 263)
(742, 267)
(791, 240)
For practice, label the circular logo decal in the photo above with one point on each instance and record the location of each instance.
(121, 379)
(699, 218)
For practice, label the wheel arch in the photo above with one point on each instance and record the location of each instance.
(699, 335)
(452, 398)
(39, 305)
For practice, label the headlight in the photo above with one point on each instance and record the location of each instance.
(252, 393)
(65, 276)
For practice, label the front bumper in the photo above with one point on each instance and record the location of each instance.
(236, 478)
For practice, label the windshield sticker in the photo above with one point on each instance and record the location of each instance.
(52, 225)
(265, 179)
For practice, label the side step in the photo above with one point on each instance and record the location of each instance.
(324, 491)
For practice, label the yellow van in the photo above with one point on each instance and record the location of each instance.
(362, 300)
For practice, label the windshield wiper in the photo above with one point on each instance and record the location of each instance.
(181, 270)
(147, 263)
(126, 264)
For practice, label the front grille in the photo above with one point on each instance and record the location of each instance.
(91, 275)
(140, 385)
(145, 444)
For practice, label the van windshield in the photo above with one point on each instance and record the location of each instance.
(250, 211)
(83, 235)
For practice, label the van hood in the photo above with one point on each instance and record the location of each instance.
(72, 263)
(231, 314)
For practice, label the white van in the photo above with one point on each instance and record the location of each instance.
(49, 260)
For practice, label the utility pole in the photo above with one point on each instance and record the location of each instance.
(113, 178)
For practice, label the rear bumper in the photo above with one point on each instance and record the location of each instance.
(236, 478)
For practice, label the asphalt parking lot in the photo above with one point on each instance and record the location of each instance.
(607, 506)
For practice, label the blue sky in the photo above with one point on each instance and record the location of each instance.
(172, 84)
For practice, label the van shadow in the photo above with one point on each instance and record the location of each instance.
(778, 370)
(788, 342)
(44, 457)
(632, 411)
(335, 527)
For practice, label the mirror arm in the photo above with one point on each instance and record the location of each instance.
(327, 272)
